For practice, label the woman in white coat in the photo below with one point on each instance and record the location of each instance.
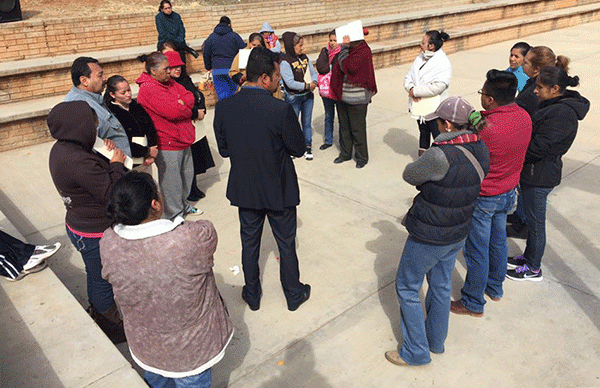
(428, 77)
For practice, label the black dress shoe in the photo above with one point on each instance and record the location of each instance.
(253, 305)
(361, 164)
(339, 160)
(304, 298)
(325, 146)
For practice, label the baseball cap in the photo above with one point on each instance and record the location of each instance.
(454, 109)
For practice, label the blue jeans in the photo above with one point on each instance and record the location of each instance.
(224, 85)
(303, 105)
(100, 292)
(534, 202)
(420, 259)
(486, 250)
(329, 106)
(201, 380)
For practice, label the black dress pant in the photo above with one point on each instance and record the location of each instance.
(427, 130)
(283, 224)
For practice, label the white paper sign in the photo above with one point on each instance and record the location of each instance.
(425, 106)
(353, 29)
(244, 54)
(102, 150)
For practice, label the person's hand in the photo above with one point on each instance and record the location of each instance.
(148, 161)
(312, 86)
(152, 152)
(346, 39)
(201, 114)
(412, 95)
(118, 156)
(109, 144)
(181, 101)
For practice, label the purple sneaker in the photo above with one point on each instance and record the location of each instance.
(523, 273)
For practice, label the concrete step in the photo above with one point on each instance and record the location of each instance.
(24, 122)
(49, 340)
(31, 79)
(70, 35)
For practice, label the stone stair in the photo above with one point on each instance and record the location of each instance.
(29, 88)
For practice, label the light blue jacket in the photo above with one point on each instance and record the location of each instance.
(109, 126)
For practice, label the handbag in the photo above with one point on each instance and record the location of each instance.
(325, 85)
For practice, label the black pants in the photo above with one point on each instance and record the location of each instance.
(283, 224)
(14, 254)
(427, 129)
(353, 131)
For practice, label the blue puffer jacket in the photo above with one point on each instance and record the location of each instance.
(441, 213)
(221, 47)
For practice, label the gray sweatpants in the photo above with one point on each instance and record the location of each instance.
(175, 173)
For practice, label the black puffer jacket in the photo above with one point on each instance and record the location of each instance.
(554, 129)
(441, 213)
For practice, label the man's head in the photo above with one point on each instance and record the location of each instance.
(87, 75)
(225, 20)
(499, 89)
(263, 69)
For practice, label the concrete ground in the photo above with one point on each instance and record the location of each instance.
(349, 242)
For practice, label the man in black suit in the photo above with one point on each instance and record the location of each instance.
(259, 134)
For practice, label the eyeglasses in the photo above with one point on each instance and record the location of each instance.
(480, 91)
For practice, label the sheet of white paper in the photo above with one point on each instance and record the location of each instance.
(353, 29)
(102, 150)
(243, 58)
(425, 106)
(308, 76)
(141, 140)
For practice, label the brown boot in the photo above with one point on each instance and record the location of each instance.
(110, 322)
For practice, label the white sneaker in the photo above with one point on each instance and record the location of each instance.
(26, 272)
(308, 154)
(193, 212)
(41, 253)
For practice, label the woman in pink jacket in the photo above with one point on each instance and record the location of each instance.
(170, 107)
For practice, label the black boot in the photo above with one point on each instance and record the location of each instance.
(110, 322)
(195, 193)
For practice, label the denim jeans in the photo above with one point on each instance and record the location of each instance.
(201, 380)
(100, 292)
(486, 250)
(534, 202)
(224, 85)
(420, 335)
(329, 106)
(303, 106)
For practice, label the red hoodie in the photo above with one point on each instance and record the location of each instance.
(172, 120)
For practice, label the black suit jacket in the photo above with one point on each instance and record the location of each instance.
(259, 133)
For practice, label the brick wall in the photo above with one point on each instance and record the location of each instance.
(24, 133)
(32, 39)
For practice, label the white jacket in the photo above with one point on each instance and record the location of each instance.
(429, 76)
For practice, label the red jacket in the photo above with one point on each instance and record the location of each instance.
(507, 137)
(172, 120)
